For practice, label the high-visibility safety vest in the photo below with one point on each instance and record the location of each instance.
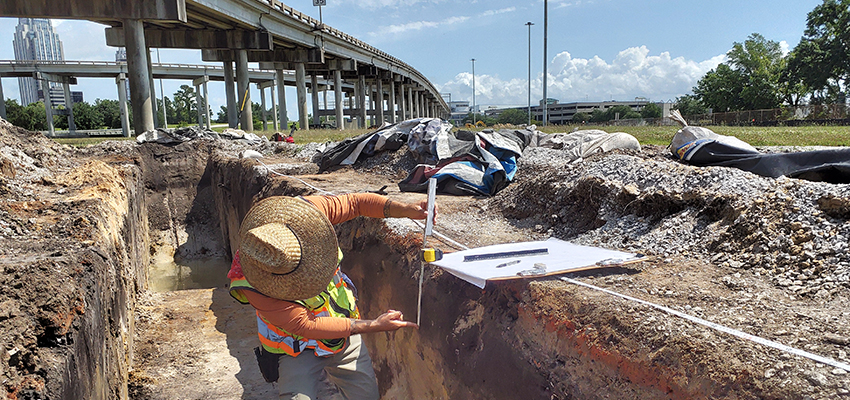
(337, 300)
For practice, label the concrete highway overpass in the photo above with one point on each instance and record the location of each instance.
(242, 31)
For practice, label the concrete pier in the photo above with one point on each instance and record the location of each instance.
(139, 75)
(246, 118)
(339, 103)
(230, 93)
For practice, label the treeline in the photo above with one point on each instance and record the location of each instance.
(757, 76)
(103, 114)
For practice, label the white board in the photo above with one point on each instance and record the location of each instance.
(562, 257)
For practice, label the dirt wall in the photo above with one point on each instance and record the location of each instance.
(71, 280)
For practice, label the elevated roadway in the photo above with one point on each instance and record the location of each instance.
(269, 32)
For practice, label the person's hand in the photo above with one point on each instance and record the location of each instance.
(393, 320)
(420, 211)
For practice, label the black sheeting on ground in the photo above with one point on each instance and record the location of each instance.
(832, 166)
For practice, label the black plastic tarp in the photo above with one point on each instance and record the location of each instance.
(831, 166)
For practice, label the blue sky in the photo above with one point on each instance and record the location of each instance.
(598, 49)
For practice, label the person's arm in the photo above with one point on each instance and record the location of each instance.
(345, 207)
(391, 320)
(296, 319)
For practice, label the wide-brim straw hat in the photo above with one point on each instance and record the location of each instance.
(288, 248)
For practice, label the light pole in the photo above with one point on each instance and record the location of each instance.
(545, 62)
(473, 92)
(529, 71)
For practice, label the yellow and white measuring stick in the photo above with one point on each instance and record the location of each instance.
(428, 255)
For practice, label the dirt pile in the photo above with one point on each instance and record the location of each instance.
(789, 231)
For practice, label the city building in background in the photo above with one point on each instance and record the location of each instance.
(35, 40)
(562, 113)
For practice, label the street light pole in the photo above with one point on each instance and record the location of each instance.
(473, 92)
(529, 71)
(545, 62)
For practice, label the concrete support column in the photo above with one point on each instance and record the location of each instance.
(48, 106)
(402, 105)
(207, 111)
(354, 106)
(274, 107)
(393, 115)
(2, 101)
(122, 104)
(412, 110)
(361, 100)
(339, 103)
(230, 93)
(154, 107)
(380, 102)
(281, 99)
(69, 105)
(314, 84)
(263, 107)
(246, 117)
(301, 86)
(371, 103)
(198, 105)
(140, 82)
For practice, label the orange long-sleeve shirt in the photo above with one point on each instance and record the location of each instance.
(295, 318)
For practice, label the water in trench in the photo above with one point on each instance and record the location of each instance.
(167, 274)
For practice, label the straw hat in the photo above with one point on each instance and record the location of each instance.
(288, 248)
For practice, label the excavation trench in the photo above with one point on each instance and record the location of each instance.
(114, 284)
(513, 340)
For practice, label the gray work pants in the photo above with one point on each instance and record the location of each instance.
(350, 370)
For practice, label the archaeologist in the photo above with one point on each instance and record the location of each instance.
(287, 268)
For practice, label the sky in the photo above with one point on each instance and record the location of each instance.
(598, 50)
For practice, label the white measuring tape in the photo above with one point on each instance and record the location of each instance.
(726, 329)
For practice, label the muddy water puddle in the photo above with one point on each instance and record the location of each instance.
(166, 274)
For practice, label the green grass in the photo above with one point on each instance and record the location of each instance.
(657, 135)
(83, 142)
(754, 135)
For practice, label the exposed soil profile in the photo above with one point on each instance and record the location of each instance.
(80, 229)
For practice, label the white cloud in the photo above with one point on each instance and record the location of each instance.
(633, 73)
(785, 47)
(416, 26)
(500, 11)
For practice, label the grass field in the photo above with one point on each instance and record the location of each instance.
(658, 135)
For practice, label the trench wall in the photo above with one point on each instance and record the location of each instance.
(111, 273)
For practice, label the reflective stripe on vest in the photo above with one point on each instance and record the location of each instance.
(337, 300)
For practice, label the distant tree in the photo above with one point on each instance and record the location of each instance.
(689, 105)
(185, 106)
(581, 117)
(110, 112)
(479, 117)
(597, 115)
(622, 112)
(16, 114)
(719, 89)
(86, 116)
(748, 80)
(820, 60)
(651, 110)
(513, 116)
